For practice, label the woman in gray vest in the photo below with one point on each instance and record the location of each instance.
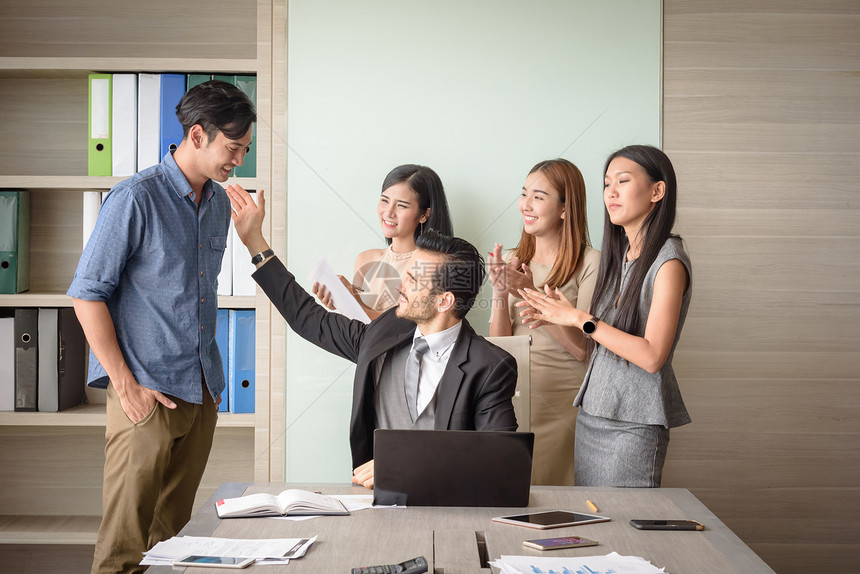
(629, 398)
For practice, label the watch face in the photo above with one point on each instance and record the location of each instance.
(589, 327)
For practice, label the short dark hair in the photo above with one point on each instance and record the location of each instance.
(216, 106)
(461, 272)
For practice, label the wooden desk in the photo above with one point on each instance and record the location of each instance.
(461, 540)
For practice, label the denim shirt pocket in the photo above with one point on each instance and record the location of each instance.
(218, 242)
(217, 247)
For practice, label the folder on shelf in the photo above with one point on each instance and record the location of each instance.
(225, 276)
(26, 358)
(14, 241)
(62, 372)
(222, 339)
(148, 120)
(99, 146)
(230, 79)
(172, 90)
(7, 363)
(196, 80)
(243, 284)
(92, 204)
(49, 350)
(124, 125)
(248, 85)
(241, 382)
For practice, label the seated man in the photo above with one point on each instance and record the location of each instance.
(419, 365)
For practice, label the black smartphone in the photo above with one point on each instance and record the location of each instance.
(667, 525)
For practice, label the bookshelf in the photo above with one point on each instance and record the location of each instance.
(93, 415)
(51, 463)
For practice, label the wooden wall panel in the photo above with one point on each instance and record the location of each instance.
(56, 239)
(43, 114)
(158, 28)
(738, 180)
(760, 117)
(33, 485)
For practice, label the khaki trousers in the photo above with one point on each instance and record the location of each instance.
(152, 471)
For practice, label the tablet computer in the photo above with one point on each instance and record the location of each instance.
(551, 519)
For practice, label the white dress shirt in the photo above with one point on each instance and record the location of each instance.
(434, 361)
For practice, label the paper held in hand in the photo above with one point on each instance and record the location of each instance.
(344, 302)
(291, 502)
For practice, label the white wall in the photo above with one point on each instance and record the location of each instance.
(478, 90)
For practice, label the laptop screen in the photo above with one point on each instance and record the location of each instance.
(452, 468)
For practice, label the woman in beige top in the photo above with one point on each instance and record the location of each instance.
(554, 252)
(412, 200)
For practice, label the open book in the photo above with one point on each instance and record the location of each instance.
(291, 502)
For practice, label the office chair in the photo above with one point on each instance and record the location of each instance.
(520, 347)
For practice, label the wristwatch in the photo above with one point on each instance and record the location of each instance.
(259, 257)
(589, 327)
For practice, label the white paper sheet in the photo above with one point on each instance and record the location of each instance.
(611, 563)
(344, 302)
(168, 551)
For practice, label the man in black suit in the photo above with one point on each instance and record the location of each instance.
(419, 364)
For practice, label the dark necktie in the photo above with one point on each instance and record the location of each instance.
(413, 372)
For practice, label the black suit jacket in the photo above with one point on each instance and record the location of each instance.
(475, 390)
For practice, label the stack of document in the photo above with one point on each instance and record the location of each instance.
(611, 563)
(267, 550)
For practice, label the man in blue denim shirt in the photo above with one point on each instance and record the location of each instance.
(145, 292)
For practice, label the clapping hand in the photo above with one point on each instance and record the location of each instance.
(547, 307)
(509, 278)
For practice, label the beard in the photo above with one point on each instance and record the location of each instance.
(420, 310)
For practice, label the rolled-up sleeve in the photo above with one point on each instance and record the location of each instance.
(116, 236)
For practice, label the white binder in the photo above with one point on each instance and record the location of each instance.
(92, 204)
(243, 284)
(7, 364)
(124, 153)
(148, 120)
(225, 277)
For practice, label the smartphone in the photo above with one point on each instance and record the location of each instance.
(563, 542)
(214, 561)
(667, 525)
(551, 519)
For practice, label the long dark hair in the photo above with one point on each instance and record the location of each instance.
(567, 179)
(428, 187)
(655, 230)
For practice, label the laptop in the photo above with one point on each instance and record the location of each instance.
(452, 468)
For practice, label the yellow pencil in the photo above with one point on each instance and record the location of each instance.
(592, 506)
